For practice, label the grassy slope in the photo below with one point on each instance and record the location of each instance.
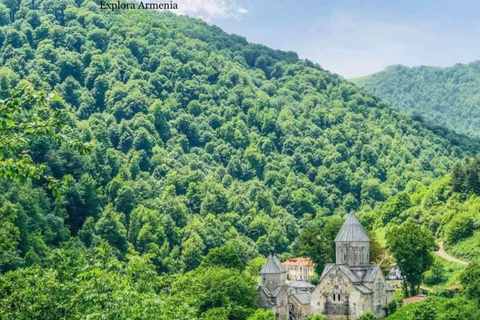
(468, 249)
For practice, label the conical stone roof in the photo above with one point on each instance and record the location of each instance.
(352, 231)
(273, 265)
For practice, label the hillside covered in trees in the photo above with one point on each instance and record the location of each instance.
(202, 153)
(449, 207)
(447, 97)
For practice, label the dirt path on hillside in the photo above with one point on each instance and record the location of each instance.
(442, 254)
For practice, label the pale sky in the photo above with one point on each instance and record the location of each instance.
(353, 37)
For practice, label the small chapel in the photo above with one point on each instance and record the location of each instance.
(347, 289)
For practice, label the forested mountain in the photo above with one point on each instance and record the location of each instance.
(448, 97)
(206, 152)
(449, 207)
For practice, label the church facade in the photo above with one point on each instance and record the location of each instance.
(347, 289)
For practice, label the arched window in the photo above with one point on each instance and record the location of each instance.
(334, 297)
(338, 297)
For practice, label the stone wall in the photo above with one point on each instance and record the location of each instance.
(335, 295)
(273, 280)
(380, 298)
(282, 308)
(352, 253)
(299, 272)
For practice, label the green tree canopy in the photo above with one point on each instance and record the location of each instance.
(411, 246)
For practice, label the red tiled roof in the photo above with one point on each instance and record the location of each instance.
(300, 261)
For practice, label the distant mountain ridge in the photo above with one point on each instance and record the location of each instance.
(448, 97)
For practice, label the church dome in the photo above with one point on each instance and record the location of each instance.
(352, 231)
(273, 266)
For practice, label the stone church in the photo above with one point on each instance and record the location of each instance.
(348, 288)
(272, 292)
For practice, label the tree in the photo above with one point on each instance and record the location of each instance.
(254, 266)
(160, 120)
(83, 200)
(317, 241)
(394, 207)
(427, 312)
(302, 202)
(111, 229)
(436, 274)
(70, 66)
(371, 191)
(470, 279)
(87, 232)
(32, 293)
(376, 250)
(411, 246)
(8, 82)
(147, 235)
(218, 288)
(100, 38)
(262, 315)
(193, 250)
(225, 256)
(126, 200)
(4, 15)
(27, 115)
(379, 255)
(461, 227)
(9, 238)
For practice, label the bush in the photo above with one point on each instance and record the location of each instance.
(436, 274)
(262, 315)
(392, 306)
(315, 317)
(367, 316)
(461, 227)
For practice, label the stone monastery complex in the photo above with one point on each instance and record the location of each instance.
(347, 289)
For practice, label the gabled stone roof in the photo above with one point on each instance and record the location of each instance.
(369, 276)
(272, 266)
(389, 287)
(350, 275)
(352, 231)
(271, 294)
(363, 289)
(327, 268)
(303, 298)
(371, 273)
(301, 284)
(276, 291)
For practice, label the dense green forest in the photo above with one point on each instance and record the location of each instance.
(449, 207)
(162, 158)
(448, 97)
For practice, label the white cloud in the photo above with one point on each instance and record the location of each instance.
(211, 9)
